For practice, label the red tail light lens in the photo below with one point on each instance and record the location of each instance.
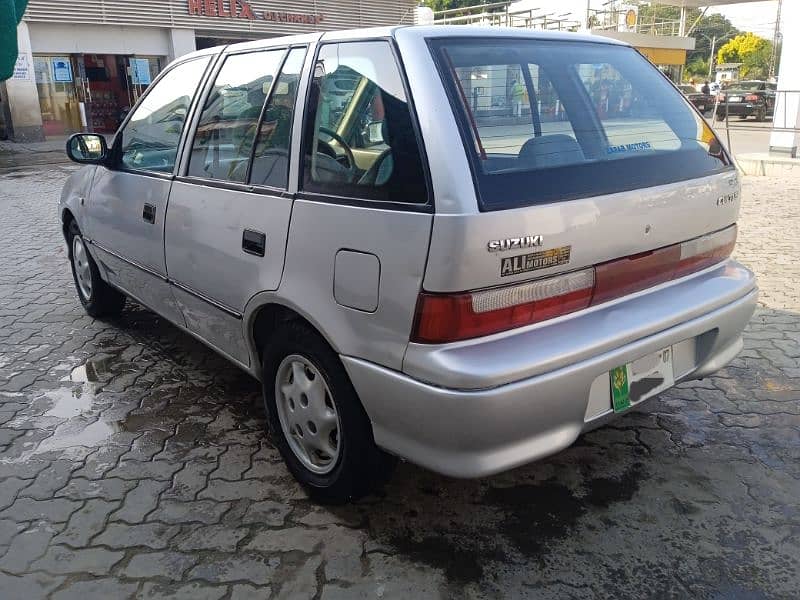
(442, 318)
(631, 274)
(445, 318)
(751, 98)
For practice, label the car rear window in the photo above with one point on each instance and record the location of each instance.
(555, 120)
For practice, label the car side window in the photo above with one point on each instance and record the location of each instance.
(150, 139)
(224, 137)
(359, 139)
(271, 155)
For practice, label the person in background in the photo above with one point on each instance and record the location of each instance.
(517, 97)
(705, 89)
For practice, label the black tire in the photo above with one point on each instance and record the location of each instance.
(103, 300)
(720, 116)
(361, 467)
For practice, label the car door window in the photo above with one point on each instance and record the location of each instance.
(359, 139)
(271, 155)
(151, 137)
(224, 137)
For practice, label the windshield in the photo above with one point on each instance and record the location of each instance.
(601, 110)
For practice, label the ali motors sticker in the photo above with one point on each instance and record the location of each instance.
(635, 147)
(523, 263)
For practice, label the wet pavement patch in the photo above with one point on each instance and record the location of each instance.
(461, 561)
(537, 514)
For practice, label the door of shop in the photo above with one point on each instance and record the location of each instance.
(58, 94)
(111, 84)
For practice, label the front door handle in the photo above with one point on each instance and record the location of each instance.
(254, 242)
(149, 213)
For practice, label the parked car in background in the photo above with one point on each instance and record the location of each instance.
(747, 99)
(351, 219)
(703, 102)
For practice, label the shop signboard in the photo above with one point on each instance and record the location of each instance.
(242, 9)
(22, 69)
(140, 71)
(62, 69)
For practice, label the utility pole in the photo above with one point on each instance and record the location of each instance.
(711, 58)
(589, 15)
(773, 59)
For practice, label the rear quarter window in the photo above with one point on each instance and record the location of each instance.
(556, 120)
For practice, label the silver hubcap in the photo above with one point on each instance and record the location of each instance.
(80, 259)
(308, 415)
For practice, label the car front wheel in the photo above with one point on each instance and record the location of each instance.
(317, 420)
(97, 297)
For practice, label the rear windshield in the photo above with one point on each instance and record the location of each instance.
(554, 120)
(748, 86)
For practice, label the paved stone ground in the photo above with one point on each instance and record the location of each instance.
(133, 464)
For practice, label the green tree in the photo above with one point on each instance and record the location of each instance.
(705, 29)
(709, 27)
(10, 15)
(752, 51)
(696, 69)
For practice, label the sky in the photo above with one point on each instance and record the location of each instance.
(758, 17)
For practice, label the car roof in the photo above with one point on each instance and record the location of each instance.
(411, 31)
(468, 31)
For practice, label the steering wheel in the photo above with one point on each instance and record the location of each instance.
(348, 153)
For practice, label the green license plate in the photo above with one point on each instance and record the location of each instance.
(620, 389)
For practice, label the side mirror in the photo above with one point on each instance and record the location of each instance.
(87, 148)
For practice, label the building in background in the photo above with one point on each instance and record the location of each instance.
(82, 64)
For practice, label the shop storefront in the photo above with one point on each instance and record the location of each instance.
(667, 52)
(81, 68)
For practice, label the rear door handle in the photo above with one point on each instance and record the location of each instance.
(149, 213)
(254, 242)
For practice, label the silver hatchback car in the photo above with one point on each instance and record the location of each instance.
(455, 245)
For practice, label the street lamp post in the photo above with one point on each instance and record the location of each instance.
(713, 41)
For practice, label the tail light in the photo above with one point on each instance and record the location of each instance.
(751, 98)
(638, 272)
(443, 318)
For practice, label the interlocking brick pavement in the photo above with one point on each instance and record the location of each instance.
(133, 463)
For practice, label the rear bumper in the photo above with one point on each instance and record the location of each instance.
(491, 428)
(739, 110)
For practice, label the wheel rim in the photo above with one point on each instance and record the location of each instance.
(307, 413)
(80, 261)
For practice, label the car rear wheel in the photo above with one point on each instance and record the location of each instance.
(720, 116)
(97, 297)
(316, 419)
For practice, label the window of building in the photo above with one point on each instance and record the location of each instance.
(224, 138)
(151, 137)
(359, 140)
(271, 155)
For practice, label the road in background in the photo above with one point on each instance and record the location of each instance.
(745, 136)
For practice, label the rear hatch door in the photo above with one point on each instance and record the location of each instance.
(581, 153)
